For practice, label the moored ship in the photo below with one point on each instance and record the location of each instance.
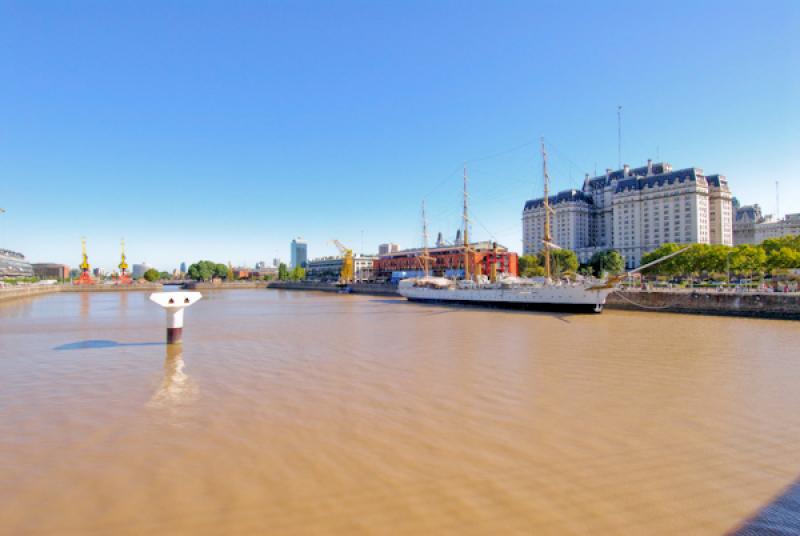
(545, 293)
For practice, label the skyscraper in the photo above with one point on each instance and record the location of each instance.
(299, 253)
(183, 267)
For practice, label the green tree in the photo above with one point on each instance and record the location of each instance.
(220, 270)
(201, 271)
(609, 261)
(298, 273)
(529, 266)
(164, 276)
(151, 275)
(783, 258)
(674, 266)
(562, 261)
(283, 272)
(747, 259)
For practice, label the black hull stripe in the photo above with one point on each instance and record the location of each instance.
(556, 307)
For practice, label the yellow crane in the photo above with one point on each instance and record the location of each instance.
(347, 275)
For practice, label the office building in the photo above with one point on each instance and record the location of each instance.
(329, 268)
(139, 270)
(384, 249)
(634, 210)
(50, 270)
(299, 253)
(13, 265)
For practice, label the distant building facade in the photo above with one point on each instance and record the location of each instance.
(49, 270)
(447, 261)
(634, 211)
(140, 269)
(744, 224)
(751, 227)
(13, 264)
(384, 249)
(183, 267)
(329, 268)
(299, 253)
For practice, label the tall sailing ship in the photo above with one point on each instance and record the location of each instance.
(546, 293)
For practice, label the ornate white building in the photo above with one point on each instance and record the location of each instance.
(751, 227)
(634, 211)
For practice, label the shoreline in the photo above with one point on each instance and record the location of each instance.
(776, 306)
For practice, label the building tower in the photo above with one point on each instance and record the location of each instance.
(86, 275)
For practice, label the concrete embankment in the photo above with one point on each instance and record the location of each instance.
(152, 287)
(16, 292)
(27, 291)
(226, 286)
(760, 305)
(374, 289)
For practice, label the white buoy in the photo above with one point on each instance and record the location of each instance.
(174, 303)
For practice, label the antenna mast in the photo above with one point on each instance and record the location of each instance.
(466, 229)
(547, 238)
(619, 137)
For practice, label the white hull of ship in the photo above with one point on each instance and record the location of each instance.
(546, 298)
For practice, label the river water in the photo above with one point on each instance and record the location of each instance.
(311, 413)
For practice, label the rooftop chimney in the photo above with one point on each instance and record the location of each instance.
(626, 170)
(649, 167)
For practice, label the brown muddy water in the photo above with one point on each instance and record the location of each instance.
(312, 413)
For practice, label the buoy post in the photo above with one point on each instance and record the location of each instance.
(174, 303)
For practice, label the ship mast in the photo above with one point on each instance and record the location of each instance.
(466, 229)
(425, 254)
(547, 237)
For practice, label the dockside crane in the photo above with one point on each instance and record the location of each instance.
(347, 275)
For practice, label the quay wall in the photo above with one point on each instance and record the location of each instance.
(374, 289)
(110, 288)
(16, 292)
(753, 304)
(760, 305)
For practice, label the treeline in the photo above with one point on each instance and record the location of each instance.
(771, 256)
(208, 270)
(564, 262)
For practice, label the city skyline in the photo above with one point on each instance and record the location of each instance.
(223, 133)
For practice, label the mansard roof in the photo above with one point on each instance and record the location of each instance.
(748, 213)
(604, 180)
(561, 197)
(640, 183)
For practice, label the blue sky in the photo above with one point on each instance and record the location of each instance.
(222, 130)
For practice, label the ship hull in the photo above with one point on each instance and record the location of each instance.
(567, 299)
(545, 307)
